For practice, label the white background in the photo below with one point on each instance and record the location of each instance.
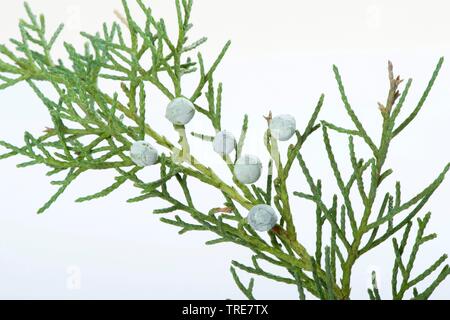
(280, 60)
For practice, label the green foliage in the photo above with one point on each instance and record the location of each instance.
(93, 130)
(406, 269)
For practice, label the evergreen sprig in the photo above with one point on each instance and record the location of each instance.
(93, 130)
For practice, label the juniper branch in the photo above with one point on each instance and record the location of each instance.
(93, 130)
